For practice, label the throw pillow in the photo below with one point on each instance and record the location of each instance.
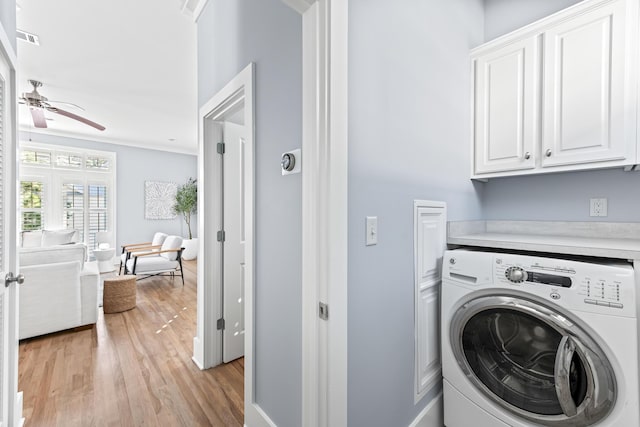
(57, 237)
(32, 239)
(171, 242)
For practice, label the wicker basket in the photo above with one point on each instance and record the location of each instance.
(119, 294)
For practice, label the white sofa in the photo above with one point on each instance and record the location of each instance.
(60, 289)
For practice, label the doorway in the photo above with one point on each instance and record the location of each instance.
(226, 173)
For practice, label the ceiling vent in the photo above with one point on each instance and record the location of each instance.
(28, 37)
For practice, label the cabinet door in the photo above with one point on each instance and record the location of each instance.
(589, 104)
(505, 107)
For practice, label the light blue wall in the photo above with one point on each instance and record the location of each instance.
(231, 34)
(409, 106)
(8, 20)
(504, 16)
(562, 196)
(134, 166)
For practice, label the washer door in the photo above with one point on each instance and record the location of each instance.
(533, 361)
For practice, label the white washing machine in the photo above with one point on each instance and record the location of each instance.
(530, 341)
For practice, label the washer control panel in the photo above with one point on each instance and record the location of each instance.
(587, 284)
(601, 287)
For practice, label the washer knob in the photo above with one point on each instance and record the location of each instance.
(516, 274)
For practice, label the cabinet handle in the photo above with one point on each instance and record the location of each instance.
(548, 153)
(527, 155)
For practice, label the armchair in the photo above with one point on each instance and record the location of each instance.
(127, 250)
(154, 261)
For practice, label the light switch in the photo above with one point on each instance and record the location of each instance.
(372, 230)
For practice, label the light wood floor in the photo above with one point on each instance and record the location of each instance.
(132, 369)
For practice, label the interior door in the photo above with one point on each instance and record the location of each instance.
(10, 408)
(233, 276)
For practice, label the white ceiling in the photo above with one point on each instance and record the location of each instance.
(130, 64)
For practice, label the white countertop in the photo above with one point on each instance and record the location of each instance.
(588, 239)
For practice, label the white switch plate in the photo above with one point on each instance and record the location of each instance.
(598, 207)
(372, 230)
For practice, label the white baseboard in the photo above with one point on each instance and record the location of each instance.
(198, 353)
(432, 415)
(254, 416)
(19, 407)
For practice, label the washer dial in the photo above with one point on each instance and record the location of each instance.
(516, 274)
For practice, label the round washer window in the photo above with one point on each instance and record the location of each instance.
(513, 354)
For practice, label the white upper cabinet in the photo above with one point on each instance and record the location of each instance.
(505, 98)
(559, 94)
(586, 105)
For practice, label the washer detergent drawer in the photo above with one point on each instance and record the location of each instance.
(461, 412)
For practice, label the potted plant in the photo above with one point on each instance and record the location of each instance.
(186, 205)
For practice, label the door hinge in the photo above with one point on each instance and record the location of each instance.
(221, 236)
(323, 311)
(220, 147)
(220, 324)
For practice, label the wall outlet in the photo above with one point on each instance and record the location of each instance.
(598, 207)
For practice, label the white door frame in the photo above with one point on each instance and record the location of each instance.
(207, 344)
(324, 210)
(324, 222)
(10, 155)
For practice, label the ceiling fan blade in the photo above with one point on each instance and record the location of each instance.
(71, 104)
(38, 117)
(76, 117)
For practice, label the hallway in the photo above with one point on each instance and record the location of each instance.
(133, 368)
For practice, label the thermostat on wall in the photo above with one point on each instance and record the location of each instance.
(291, 162)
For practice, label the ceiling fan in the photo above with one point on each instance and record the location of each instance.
(38, 103)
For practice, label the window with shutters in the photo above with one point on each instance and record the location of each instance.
(98, 216)
(66, 187)
(73, 207)
(31, 205)
(36, 158)
(68, 160)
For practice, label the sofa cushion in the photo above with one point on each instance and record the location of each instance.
(53, 254)
(31, 239)
(152, 264)
(57, 237)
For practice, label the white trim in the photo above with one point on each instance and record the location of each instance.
(432, 415)
(310, 232)
(300, 6)
(14, 398)
(336, 251)
(537, 27)
(7, 48)
(324, 213)
(198, 349)
(146, 146)
(197, 11)
(436, 374)
(208, 342)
